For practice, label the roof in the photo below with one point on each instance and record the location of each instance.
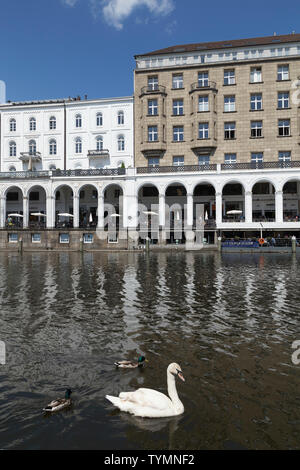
(260, 41)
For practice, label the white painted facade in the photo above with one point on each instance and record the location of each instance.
(50, 130)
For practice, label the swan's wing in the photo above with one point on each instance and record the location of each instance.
(146, 397)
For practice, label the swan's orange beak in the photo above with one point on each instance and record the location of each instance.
(181, 376)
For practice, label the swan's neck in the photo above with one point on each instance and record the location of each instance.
(172, 391)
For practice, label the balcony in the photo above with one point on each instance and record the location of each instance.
(153, 89)
(206, 85)
(98, 153)
(33, 156)
(90, 172)
(176, 169)
(24, 174)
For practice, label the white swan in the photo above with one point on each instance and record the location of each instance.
(149, 403)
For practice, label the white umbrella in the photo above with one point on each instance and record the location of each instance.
(115, 215)
(206, 216)
(15, 215)
(91, 217)
(38, 214)
(234, 212)
(150, 212)
(65, 214)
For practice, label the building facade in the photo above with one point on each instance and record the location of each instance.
(209, 145)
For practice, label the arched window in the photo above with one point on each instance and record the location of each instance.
(12, 149)
(78, 166)
(12, 125)
(12, 168)
(78, 145)
(99, 119)
(32, 147)
(32, 124)
(78, 120)
(120, 117)
(121, 143)
(52, 122)
(52, 167)
(52, 147)
(99, 142)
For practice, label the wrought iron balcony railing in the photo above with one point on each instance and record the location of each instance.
(90, 172)
(176, 169)
(98, 153)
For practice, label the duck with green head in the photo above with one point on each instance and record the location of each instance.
(131, 364)
(60, 403)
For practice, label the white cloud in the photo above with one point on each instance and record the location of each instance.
(70, 3)
(115, 12)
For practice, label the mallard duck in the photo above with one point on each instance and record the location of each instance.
(149, 403)
(60, 403)
(131, 364)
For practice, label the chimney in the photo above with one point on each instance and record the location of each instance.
(85, 97)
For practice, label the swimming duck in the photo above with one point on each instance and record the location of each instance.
(149, 403)
(60, 403)
(131, 364)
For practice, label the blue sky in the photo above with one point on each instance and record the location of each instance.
(59, 48)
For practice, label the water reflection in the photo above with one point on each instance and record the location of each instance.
(228, 320)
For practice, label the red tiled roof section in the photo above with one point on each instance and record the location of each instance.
(226, 44)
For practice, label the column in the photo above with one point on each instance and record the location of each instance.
(25, 211)
(100, 210)
(76, 211)
(218, 208)
(248, 207)
(2, 211)
(50, 212)
(189, 217)
(162, 210)
(279, 207)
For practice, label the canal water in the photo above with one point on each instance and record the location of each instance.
(229, 320)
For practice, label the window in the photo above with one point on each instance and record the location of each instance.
(152, 134)
(178, 160)
(78, 145)
(153, 161)
(229, 77)
(32, 124)
(121, 143)
(153, 83)
(202, 79)
(12, 168)
(52, 147)
(229, 130)
(12, 149)
(88, 238)
(99, 143)
(256, 129)
(12, 125)
(178, 107)
(152, 107)
(283, 100)
(64, 238)
(52, 167)
(203, 104)
(203, 131)
(120, 118)
(284, 128)
(99, 119)
(36, 238)
(284, 156)
(177, 80)
(32, 147)
(229, 104)
(52, 122)
(78, 120)
(255, 75)
(230, 158)
(178, 133)
(13, 238)
(257, 157)
(283, 72)
(203, 159)
(256, 102)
